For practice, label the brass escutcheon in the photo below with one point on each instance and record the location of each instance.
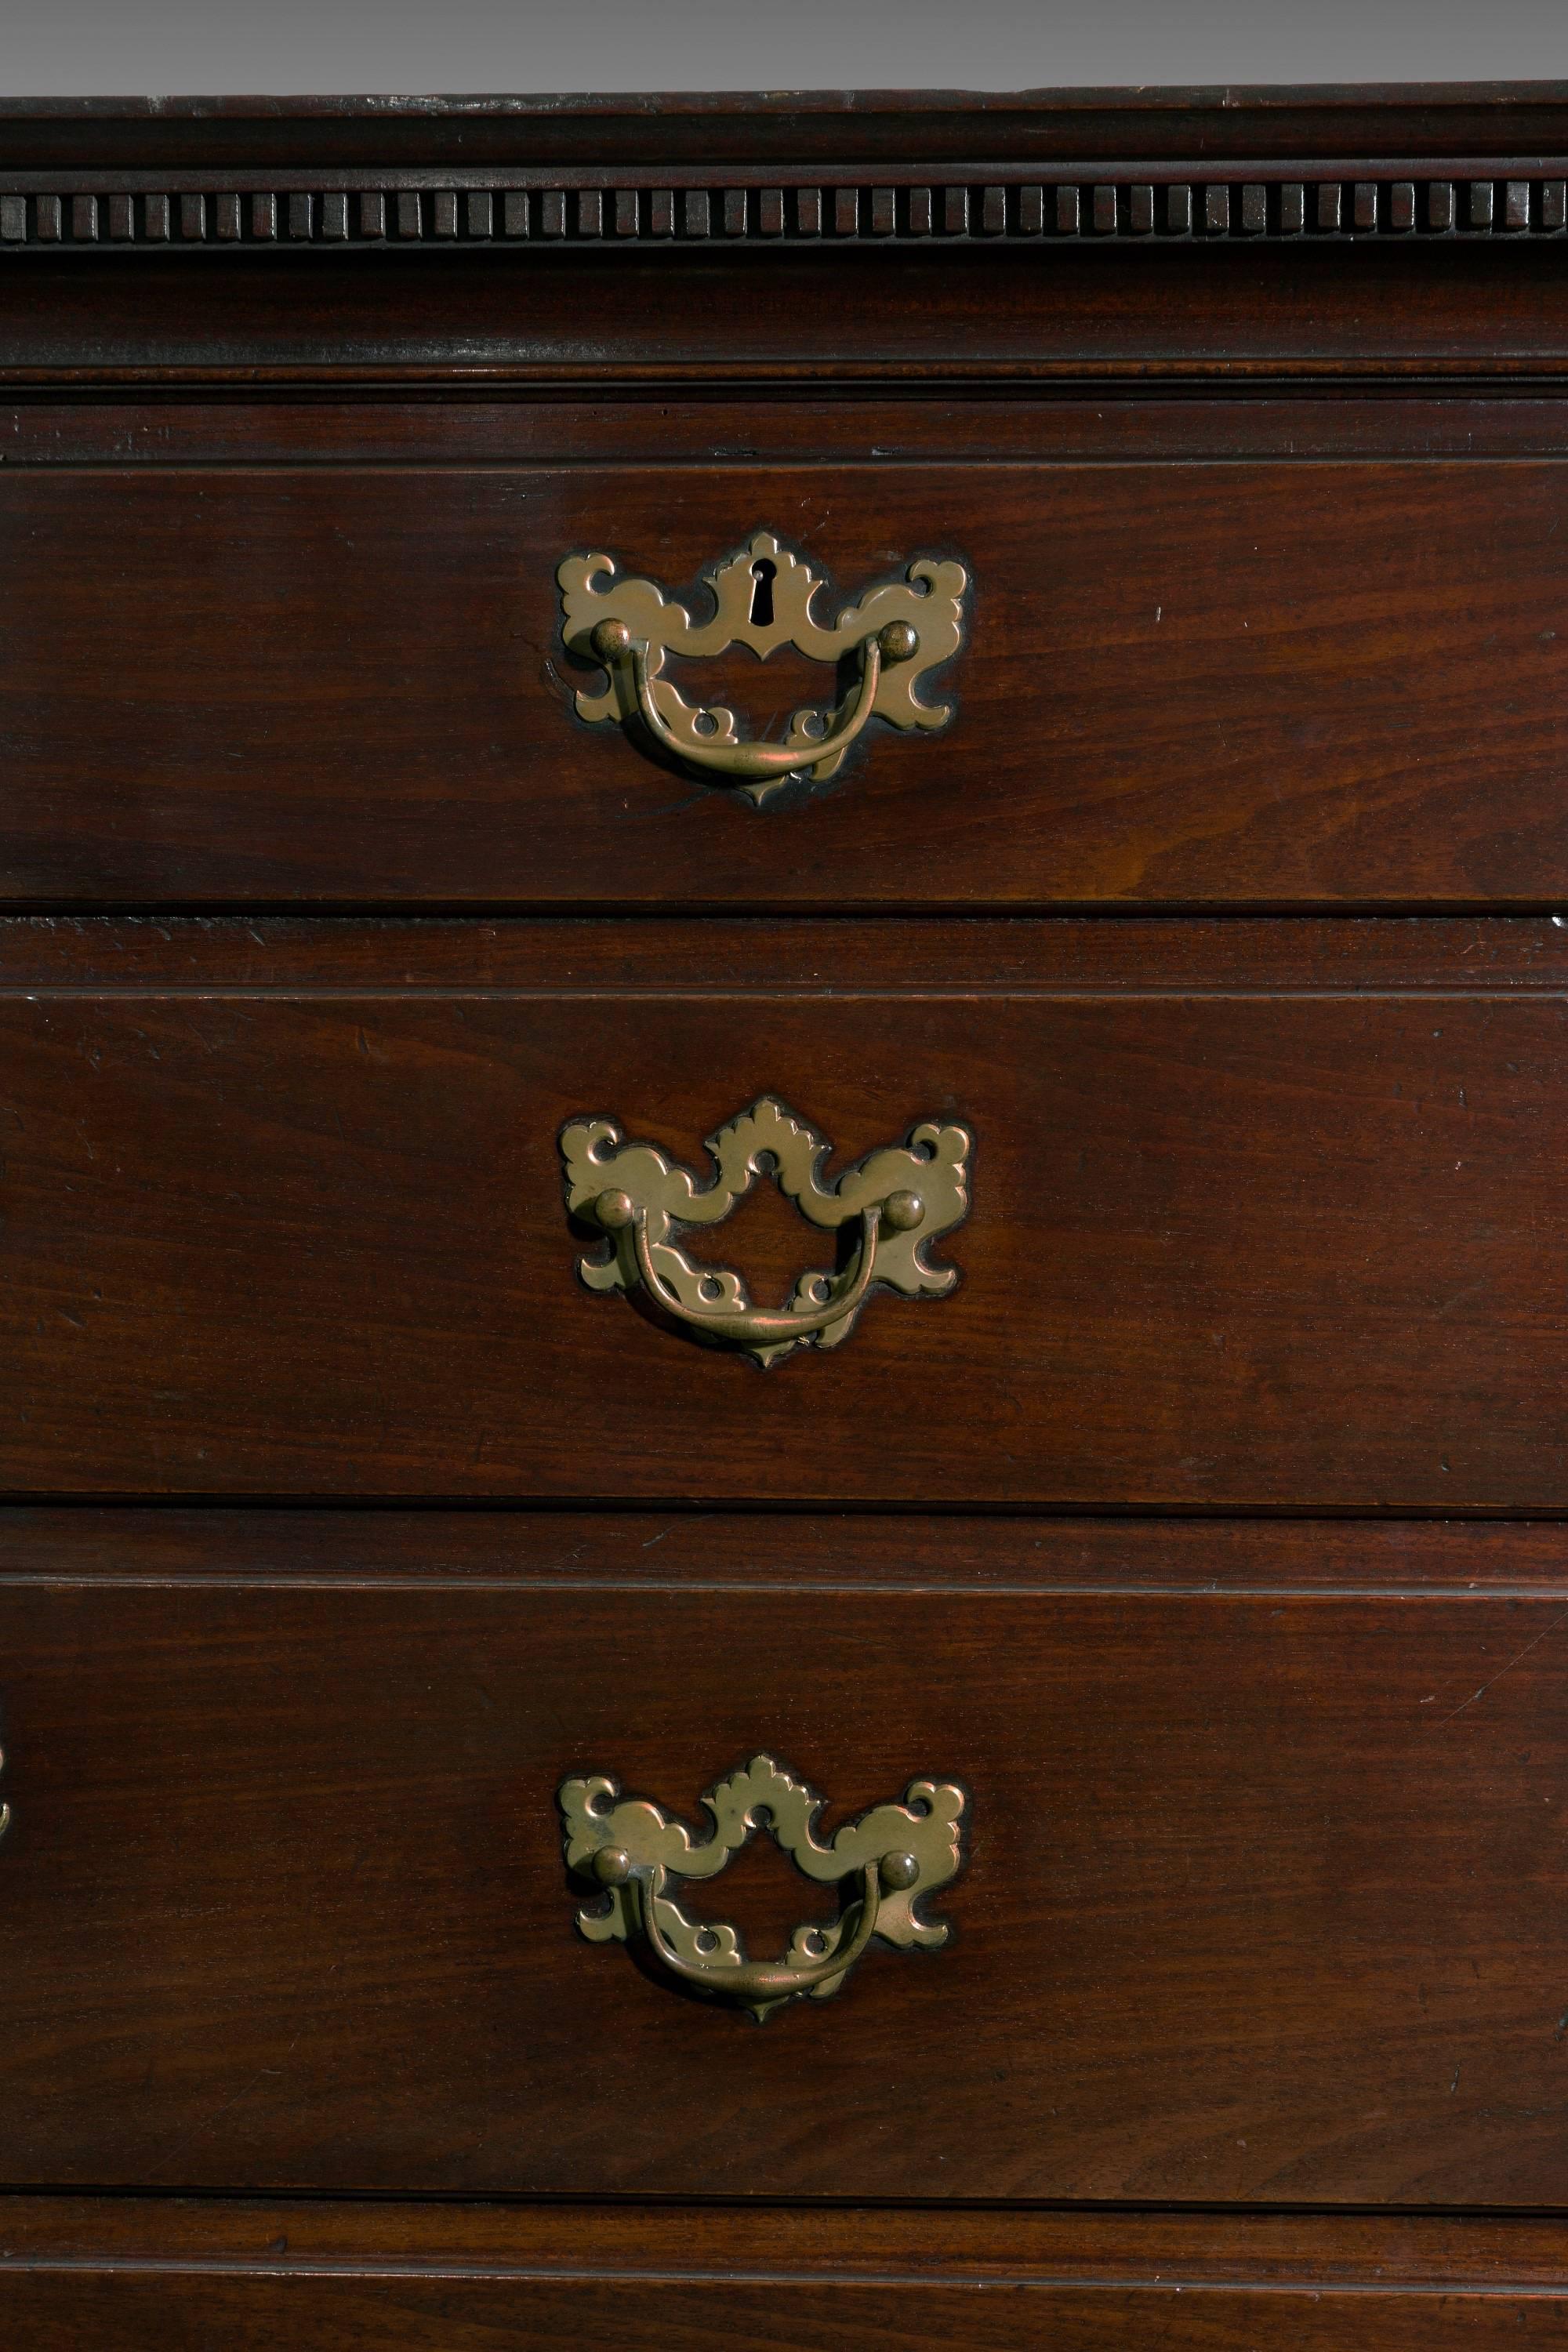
(901, 1199)
(762, 596)
(888, 1859)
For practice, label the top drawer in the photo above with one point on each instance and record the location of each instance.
(328, 664)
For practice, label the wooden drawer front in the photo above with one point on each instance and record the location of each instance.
(1243, 1246)
(1195, 684)
(1263, 1900)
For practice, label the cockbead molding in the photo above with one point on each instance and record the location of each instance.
(522, 211)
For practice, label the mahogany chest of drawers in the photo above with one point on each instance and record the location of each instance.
(784, 1098)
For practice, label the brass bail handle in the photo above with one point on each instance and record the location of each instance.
(898, 1203)
(615, 646)
(638, 1857)
(757, 1984)
(901, 633)
(760, 1326)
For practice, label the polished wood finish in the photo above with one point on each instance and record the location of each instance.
(709, 424)
(1471, 123)
(1132, 2245)
(1206, 684)
(1405, 231)
(176, 958)
(807, 1552)
(167, 2270)
(1214, 1531)
(1247, 1248)
(998, 316)
(1261, 1903)
(138, 2312)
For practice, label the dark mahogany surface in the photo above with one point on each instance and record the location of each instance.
(179, 2271)
(1203, 684)
(170, 2312)
(1003, 315)
(1231, 1245)
(1222, 127)
(610, 2239)
(1215, 1532)
(1260, 1901)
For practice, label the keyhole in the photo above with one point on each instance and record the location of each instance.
(764, 572)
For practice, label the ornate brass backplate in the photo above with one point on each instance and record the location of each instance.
(762, 596)
(890, 1857)
(904, 1197)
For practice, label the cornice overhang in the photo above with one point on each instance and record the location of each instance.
(1159, 168)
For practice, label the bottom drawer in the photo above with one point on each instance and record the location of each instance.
(1264, 1895)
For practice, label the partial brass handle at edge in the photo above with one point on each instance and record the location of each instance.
(895, 1853)
(613, 642)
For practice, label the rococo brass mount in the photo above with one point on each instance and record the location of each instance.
(904, 1197)
(762, 596)
(891, 1856)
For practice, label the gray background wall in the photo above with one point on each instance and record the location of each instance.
(164, 46)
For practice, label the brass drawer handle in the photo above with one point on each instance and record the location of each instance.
(891, 1856)
(902, 1198)
(762, 596)
(613, 642)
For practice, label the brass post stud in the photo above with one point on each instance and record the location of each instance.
(903, 1211)
(615, 1210)
(612, 1865)
(897, 1871)
(899, 641)
(611, 641)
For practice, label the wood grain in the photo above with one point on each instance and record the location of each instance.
(803, 1551)
(1256, 1972)
(130, 2312)
(809, 956)
(1261, 1903)
(1185, 685)
(632, 2238)
(1348, 313)
(1232, 1251)
(628, 426)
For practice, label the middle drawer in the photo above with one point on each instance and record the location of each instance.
(1247, 1217)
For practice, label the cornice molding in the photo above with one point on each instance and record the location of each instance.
(933, 133)
(1163, 168)
(522, 210)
